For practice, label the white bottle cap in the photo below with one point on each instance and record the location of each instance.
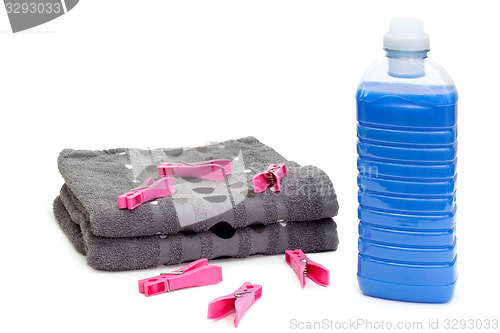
(406, 34)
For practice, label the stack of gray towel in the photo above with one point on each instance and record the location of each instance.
(203, 218)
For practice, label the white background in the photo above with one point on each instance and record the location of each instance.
(121, 73)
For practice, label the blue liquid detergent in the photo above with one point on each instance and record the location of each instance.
(407, 171)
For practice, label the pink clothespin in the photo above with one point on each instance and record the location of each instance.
(149, 190)
(196, 274)
(239, 300)
(210, 170)
(272, 176)
(303, 266)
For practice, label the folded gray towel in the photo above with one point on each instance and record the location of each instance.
(127, 253)
(202, 219)
(96, 178)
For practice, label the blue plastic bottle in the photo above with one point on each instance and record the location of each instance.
(407, 131)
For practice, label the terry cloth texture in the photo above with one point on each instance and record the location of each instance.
(203, 218)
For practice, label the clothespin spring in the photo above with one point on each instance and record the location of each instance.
(305, 261)
(240, 294)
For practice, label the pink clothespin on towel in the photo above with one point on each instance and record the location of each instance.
(303, 266)
(210, 170)
(272, 176)
(196, 274)
(239, 300)
(149, 190)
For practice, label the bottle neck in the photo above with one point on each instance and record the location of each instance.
(396, 54)
(406, 64)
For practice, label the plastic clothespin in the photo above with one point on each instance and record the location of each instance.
(239, 300)
(303, 266)
(196, 274)
(210, 170)
(272, 176)
(149, 190)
